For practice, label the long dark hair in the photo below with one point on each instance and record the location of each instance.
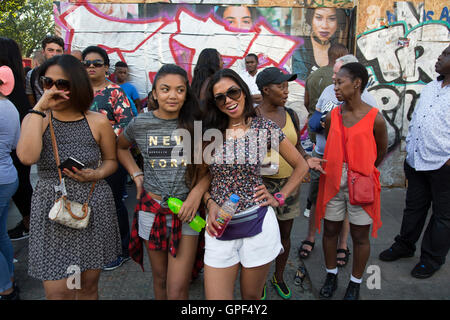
(214, 118)
(189, 112)
(81, 92)
(208, 63)
(11, 56)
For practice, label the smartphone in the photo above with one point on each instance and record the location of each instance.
(71, 162)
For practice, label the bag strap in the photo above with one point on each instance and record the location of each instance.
(341, 122)
(55, 153)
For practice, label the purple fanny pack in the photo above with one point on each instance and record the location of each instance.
(246, 224)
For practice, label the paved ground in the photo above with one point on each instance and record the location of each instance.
(130, 283)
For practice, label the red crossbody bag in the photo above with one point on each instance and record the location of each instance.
(361, 188)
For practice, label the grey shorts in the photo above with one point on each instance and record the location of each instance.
(340, 204)
(146, 220)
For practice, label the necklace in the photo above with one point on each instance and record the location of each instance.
(237, 124)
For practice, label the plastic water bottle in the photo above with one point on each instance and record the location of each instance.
(198, 223)
(226, 212)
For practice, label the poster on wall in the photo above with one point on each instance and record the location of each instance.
(148, 35)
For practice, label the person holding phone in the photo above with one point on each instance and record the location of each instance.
(56, 250)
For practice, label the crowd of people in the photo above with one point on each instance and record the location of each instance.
(70, 108)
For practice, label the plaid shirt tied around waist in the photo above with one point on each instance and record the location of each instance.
(158, 234)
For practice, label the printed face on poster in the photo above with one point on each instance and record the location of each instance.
(146, 36)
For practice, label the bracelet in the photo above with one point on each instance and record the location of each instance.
(37, 112)
(136, 174)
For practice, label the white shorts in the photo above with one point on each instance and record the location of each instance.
(250, 252)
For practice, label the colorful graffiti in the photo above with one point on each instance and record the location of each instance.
(400, 58)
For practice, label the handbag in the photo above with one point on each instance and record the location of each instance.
(66, 212)
(361, 188)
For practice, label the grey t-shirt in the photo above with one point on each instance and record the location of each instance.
(327, 102)
(164, 173)
(9, 136)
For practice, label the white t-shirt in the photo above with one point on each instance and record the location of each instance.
(250, 81)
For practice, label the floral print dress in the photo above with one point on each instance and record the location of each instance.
(114, 104)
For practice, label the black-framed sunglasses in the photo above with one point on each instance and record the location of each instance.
(97, 63)
(60, 84)
(232, 93)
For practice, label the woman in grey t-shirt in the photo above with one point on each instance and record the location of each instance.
(171, 243)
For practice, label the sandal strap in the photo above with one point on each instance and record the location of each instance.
(309, 243)
(346, 251)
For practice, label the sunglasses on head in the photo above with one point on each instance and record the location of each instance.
(60, 84)
(232, 93)
(97, 63)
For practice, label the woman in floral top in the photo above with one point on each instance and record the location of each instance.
(252, 240)
(111, 100)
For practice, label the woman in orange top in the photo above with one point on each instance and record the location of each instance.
(366, 144)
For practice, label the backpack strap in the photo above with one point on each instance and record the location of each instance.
(296, 122)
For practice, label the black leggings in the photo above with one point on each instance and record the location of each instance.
(22, 197)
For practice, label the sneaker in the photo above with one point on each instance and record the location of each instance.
(330, 285)
(264, 293)
(116, 263)
(282, 289)
(306, 213)
(19, 232)
(12, 296)
(393, 253)
(423, 270)
(352, 292)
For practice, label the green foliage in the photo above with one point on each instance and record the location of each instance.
(27, 22)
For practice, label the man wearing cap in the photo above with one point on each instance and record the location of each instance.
(273, 84)
(249, 77)
(427, 168)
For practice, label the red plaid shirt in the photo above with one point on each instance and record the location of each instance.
(157, 239)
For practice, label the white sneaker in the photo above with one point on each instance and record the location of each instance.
(306, 213)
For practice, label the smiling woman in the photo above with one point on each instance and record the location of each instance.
(154, 133)
(257, 241)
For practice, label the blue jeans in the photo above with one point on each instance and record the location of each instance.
(6, 248)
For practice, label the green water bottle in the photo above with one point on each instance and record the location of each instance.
(198, 223)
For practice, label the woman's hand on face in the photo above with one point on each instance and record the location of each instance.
(211, 224)
(51, 98)
(84, 175)
(262, 194)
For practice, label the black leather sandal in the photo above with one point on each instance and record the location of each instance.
(303, 253)
(343, 260)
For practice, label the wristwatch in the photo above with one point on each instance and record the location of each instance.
(280, 198)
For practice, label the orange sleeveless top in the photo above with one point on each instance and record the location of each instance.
(362, 154)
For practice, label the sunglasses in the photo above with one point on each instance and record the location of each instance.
(97, 63)
(232, 93)
(60, 84)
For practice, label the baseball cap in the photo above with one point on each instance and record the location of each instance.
(7, 80)
(272, 75)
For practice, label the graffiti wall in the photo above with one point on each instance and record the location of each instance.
(400, 42)
(147, 35)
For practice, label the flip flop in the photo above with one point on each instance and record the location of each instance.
(303, 253)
